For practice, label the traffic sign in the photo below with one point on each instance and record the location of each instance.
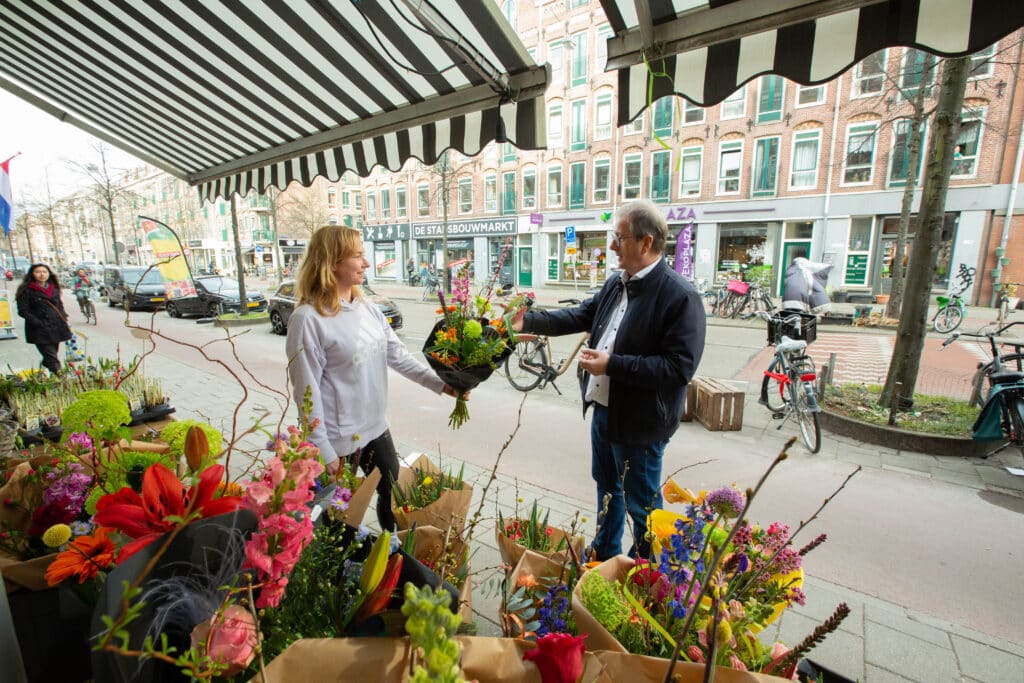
(258, 249)
(570, 250)
(570, 234)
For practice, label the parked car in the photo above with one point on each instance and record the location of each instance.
(134, 287)
(282, 303)
(214, 295)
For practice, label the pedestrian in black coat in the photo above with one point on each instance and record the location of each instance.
(46, 321)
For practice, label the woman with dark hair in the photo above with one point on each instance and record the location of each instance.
(46, 321)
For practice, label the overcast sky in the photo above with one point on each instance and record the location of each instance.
(46, 145)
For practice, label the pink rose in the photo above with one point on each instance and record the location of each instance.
(229, 639)
(559, 656)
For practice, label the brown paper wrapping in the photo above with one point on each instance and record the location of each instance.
(532, 563)
(359, 503)
(598, 637)
(511, 551)
(428, 546)
(450, 509)
(25, 574)
(487, 660)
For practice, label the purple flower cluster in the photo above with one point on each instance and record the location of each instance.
(726, 501)
(79, 443)
(69, 486)
(342, 496)
(552, 615)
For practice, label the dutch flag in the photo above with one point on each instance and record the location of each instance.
(6, 198)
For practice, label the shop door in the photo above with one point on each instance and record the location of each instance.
(525, 266)
(789, 252)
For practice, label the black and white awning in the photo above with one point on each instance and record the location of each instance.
(234, 96)
(707, 49)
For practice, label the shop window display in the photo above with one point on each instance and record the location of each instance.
(740, 247)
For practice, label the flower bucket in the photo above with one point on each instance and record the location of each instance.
(511, 552)
(428, 548)
(450, 509)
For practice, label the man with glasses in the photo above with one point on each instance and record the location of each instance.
(647, 332)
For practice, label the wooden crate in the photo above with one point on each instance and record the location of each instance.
(719, 404)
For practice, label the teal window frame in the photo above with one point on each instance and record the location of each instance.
(688, 183)
(915, 66)
(661, 176)
(802, 139)
(577, 125)
(900, 166)
(508, 193)
(577, 185)
(508, 152)
(661, 116)
(766, 167)
(385, 204)
(770, 93)
(602, 191)
(579, 59)
(491, 193)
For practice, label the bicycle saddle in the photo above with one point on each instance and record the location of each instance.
(1005, 377)
(788, 345)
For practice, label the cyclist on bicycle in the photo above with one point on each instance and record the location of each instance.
(83, 287)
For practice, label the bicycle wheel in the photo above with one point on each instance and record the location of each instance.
(948, 319)
(731, 306)
(773, 394)
(807, 420)
(1011, 361)
(710, 303)
(91, 313)
(1016, 410)
(524, 368)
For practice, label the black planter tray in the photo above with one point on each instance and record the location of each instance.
(151, 414)
(37, 436)
(31, 437)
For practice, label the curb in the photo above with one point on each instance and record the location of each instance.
(901, 439)
(247, 321)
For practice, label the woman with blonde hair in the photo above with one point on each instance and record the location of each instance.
(340, 346)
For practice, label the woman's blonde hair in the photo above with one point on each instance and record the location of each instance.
(316, 284)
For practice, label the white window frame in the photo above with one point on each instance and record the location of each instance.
(806, 135)
(385, 211)
(607, 163)
(603, 102)
(422, 208)
(857, 78)
(556, 124)
(346, 199)
(636, 125)
(985, 54)
(554, 170)
(733, 146)
(690, 107)
(604, 32)
(980, 118)
(578, 124)
(464, 185)
(628, 159)
(737, 98)
(684, 153)
(556, 58)
(332, 198)
(846, 153)
(800, 89)
(401, 206)
(529, 202)
(491, 204)
(371, 205)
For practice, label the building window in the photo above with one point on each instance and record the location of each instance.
(371, 206)
(346, 199)
(899, 168)
(766, 167)
(577, 185)
(769, 99)
(869, 75)
(579, 59)
(604, 33)
(809, 95)
(661, 176)
(554, 185)
(400, 208)
(578, 126)
(690, 170)
(859, 162)
(602, 179)
(632, 175)
(510, 13)
(556, 58)
(358, 196)
(730, 162)
(735, 105)
(529, 188)
(661, 116)
(555, 125)
(602, 116)
(804, 169)
(332, 198)
(982, 62)
(442, 200)
(385, 204)
(692, 113)
(423, 199)
(634, 126)
(918, 71)
(508, 152)
(508, 193)
(465, 195)
(490, 193)
(968, 142)
(573, 4)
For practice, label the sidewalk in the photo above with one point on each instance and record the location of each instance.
(880, 641)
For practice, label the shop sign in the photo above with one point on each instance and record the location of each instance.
(290, 242)
(552, 270)
(684, 240)
(385, 232)
(856, 269)
(496, 226)
(536, 219)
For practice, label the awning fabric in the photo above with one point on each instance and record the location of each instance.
(234, 95)
(712, 47)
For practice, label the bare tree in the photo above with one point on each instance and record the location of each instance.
(300, 210)
(106, 189)
(43, 211)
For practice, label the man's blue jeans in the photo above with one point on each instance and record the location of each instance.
(630, 474)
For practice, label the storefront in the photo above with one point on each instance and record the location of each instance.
(587, 265)
(745, 248)
(465, 240)
(386, 255)
(886, 250)
(291, 251)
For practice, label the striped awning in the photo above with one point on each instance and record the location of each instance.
(705, 50)
(233, 96)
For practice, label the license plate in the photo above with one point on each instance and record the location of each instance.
(253, 304)
(156, 299)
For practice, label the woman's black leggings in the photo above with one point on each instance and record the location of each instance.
(51, 359)
(380, 453)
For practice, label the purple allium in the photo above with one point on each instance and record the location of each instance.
(726, 501)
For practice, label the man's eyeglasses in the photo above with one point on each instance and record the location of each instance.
(617, 238)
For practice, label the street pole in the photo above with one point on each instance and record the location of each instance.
(243, 308)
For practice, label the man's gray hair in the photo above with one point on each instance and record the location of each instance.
(644, 218)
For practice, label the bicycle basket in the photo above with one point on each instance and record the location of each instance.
(737, 286)
(780, 326)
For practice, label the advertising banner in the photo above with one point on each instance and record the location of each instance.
(170, 258)
(6, 323)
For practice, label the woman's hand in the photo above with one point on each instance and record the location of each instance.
(333, 466)
(454, 393)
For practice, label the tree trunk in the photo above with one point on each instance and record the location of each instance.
(113, 232)
(243, 309)
(892, 310)
(906, 357)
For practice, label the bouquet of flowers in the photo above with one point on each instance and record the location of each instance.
(469, 342)
(424, 495)
(516, 534)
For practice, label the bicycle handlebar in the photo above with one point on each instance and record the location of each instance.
(569, 301)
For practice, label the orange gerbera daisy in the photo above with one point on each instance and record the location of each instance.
(84, 558)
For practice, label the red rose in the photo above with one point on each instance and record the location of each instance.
(559, 656)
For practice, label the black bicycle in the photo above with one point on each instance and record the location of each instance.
(529, 365)
(87, 306)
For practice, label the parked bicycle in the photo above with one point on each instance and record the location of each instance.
(1004, 300)
(756, 299)
(788, 385)
(951, 308)
(431, 287)
(1002, 415)
(529, 366)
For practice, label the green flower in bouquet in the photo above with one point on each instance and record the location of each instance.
(426, 488)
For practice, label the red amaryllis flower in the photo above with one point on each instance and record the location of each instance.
(145, 518)
(559, 656)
